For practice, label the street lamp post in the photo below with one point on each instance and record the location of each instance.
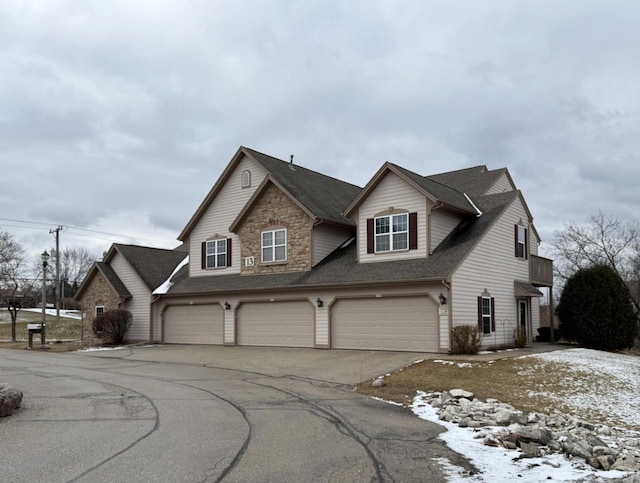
(45, 259)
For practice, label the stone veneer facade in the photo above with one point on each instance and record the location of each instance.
(99, 293)
(272, 211)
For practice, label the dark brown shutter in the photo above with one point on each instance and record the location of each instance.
(229, 243)
(370, 236)
(480, 327)
(204, 255)
(413, 231)
(493, 314)
(526, 244)
(515, 237)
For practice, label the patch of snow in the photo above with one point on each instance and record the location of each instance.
(97, 349)
(68, 314)
(618, 381)
(167, 284)
(497, 465)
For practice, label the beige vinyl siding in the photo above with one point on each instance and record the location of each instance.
(220, 214)
(139, 303)
(535, 314)
(533, 241)
(442, 223)
(492, 266)
(502, 185)
(392, 192)
(326, 238)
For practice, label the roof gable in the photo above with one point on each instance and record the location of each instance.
(268, 181)
(152, 265)
(110, 276)
(431, 189)
(322, 195)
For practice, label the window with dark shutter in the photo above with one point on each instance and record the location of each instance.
(229, 246)
(521, 245)
(413, 231)
(215, 253)
(486, 315)
(370, 236)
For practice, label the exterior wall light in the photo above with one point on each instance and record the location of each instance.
(227, 305)
(443, 299)
(320, 303)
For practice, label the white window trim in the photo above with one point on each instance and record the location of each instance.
(273, 246)
(521, 241)
(486, 316)
(99, 307)
(390, 233)
(215, 253)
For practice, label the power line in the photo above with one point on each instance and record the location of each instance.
(47, 225)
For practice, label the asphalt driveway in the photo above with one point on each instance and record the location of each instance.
(194, 413)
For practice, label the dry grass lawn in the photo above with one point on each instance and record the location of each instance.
(62, 335)
(525, 383)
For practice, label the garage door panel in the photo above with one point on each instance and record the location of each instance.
(276, 324)
(398, 323)
(193, 324)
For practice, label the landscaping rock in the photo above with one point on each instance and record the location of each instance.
(461, 393)
(10, 400)
(378, 382)
(538, 435)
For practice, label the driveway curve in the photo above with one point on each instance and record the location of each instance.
(193, 413)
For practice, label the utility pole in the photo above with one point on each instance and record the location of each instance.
(58, 285)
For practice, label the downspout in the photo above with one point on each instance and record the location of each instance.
(447, 287)
(439, 204)
(154, 299)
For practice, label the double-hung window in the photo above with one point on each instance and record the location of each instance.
(274, 246)
(486, 315)
(521, 242)
(216, 253)
(392, 233)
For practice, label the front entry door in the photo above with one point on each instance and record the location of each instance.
(522, 316)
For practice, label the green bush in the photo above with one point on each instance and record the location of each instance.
(112, 326)
(466, 339)
(595, 310)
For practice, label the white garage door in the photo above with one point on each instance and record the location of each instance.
(395, 324)
(281, 324)
(193, 324)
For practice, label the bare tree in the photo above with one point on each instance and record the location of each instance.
(75, 263)
(13, 283)
(603, 239)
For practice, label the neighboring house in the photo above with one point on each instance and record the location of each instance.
(284, 256)
(125, 279)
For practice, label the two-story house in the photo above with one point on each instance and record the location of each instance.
(280, 255)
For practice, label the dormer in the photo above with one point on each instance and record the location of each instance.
(402, 215)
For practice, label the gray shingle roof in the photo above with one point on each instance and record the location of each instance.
(153, 265)
(342, 267)
(474, 181)
(322, 195)
(113, 279)
(447, 194)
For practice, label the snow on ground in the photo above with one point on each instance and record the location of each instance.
(619, 394)
(497, 465)
(69, 314)
(618, 385)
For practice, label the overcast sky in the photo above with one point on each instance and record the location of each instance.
(119, 116)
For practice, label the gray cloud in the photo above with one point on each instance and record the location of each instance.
(115, 111)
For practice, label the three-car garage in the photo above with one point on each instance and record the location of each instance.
(366, 323)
